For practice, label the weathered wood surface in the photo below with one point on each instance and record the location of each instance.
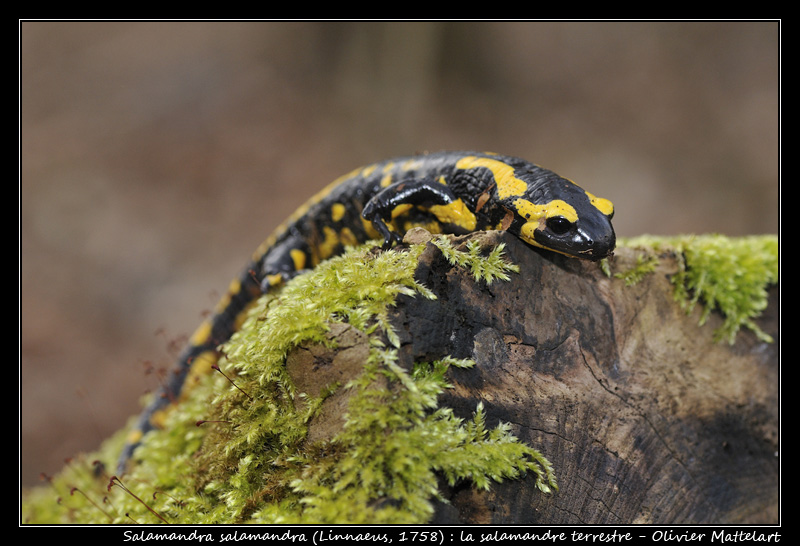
(644, 417)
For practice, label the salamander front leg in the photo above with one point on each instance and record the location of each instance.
(397, 198)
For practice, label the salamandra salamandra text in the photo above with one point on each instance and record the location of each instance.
(450, 192)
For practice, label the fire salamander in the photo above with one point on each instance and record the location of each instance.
(446, 192)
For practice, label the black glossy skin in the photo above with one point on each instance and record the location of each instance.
(451, 192)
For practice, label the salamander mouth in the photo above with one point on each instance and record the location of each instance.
(596, 256)
(578, 245)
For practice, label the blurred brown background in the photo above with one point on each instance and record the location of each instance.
(155, 156)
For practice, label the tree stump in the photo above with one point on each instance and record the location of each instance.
(645, 418)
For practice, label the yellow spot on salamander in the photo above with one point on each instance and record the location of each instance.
(201, 366)
(455, 213)
(352, 174)
(338, 211)
(135, 436)
(387, 176)
(372, 233)
(401, 209)
(537, 214)
(603, 205)
(233, 288)
(432, 227)
(242, 316)
(201, 335)
(159, 418)
(508, 185)
(274, 280)
(348, 238)
(411, 164)
(556, 207)
(299, 259)
(328, 246)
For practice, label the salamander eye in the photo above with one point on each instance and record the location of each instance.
(558, 225)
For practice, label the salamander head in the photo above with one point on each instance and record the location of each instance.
(566, 219)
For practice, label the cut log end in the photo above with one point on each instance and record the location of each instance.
(645, 418)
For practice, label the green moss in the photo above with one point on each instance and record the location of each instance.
(250, 460)
(730, 275)
(483, 268)
(644, 266)
(395, 442)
